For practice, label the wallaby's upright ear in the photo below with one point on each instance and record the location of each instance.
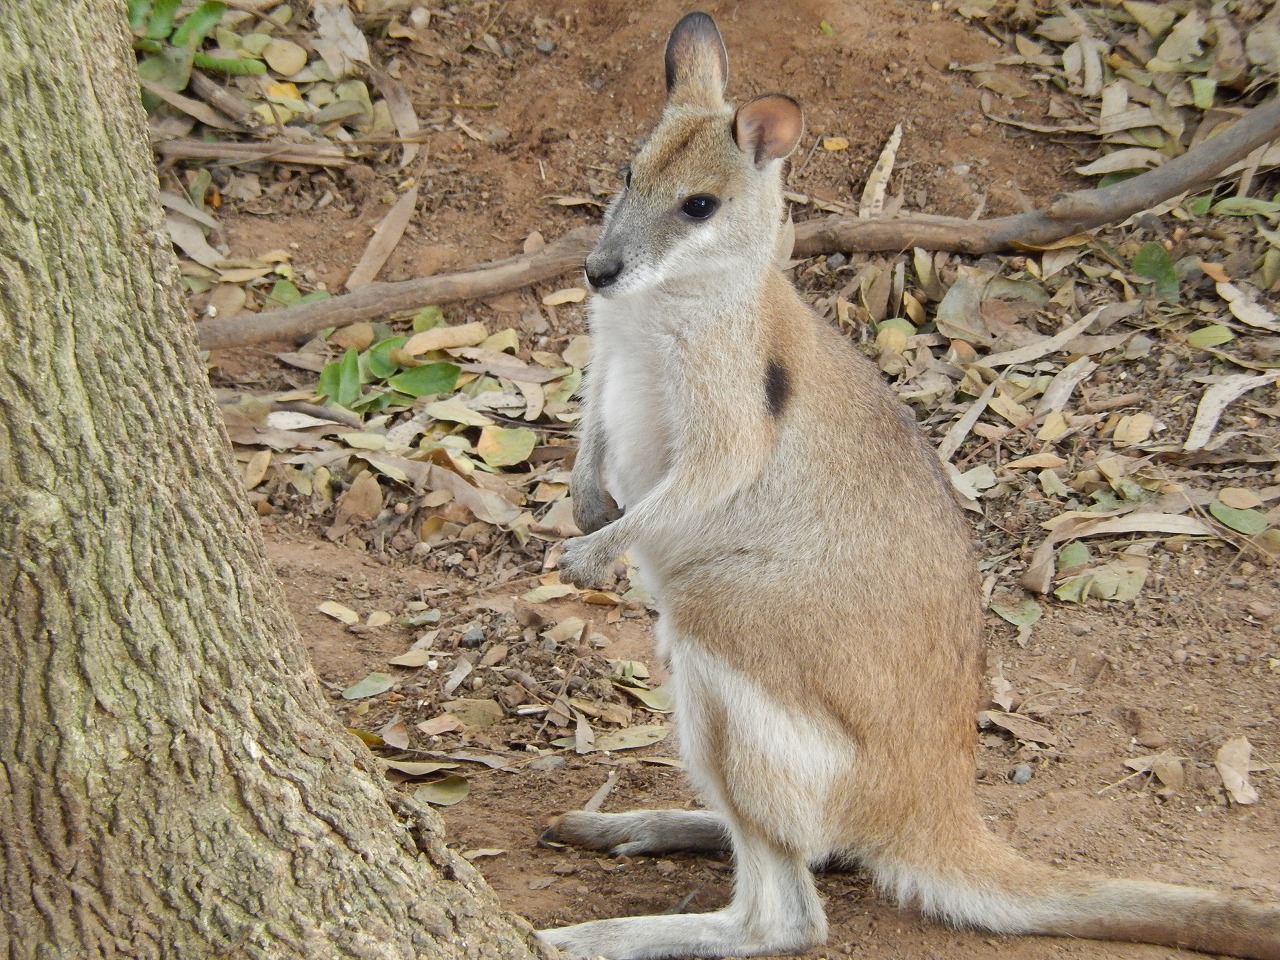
(697, 64)
(768, 128)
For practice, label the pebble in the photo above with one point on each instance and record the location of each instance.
(1237, 583)
(1260, 611)
(836, 260)
(472, 638)
(1242, 658)
(975, 130)
(1080, 628)
(1021, 773)
(545, 45)
(547, 764)
(1179, 656)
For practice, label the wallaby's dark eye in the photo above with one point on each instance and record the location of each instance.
(626, 175)
(700, 206)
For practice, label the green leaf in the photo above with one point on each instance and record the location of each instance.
(1250, 522)
(657, 700)
(283, 293)
(428, 378)
(340, 380)
(137, 11)
(315, 296)
(162, 15)
(827, 28)
(379, 359)
(170, 68)
(1153, 262)
(504, 446)
(1199, 206)
(1023, 615)
(1074, 590)
(1202, 92)
(372, 685)
(428, 318)
(1245, 207)
(375, 401)
(199, 23)
(1119, 176)
(1211, 336)
(444, 792)
(1074, 554)
(231, 66)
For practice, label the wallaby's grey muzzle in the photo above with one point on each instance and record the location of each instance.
(603, 270)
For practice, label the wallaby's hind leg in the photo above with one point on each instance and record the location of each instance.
(775, 909)
(642, 831)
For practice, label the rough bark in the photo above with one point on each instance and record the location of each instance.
(172, 783)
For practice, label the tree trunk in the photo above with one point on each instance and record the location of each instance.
(172, 783)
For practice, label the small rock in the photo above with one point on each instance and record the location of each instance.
(1080, 628)
(975, 129)
(1260, 611)
(836, 261)
(1242, 658)
(1151, 739)
(1179, 656)
(472, 638)
(1237, 583)
(545, 45)
(546, 764)
(1021, 774)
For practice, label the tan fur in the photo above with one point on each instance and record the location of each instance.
(818, 597)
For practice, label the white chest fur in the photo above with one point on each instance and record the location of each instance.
(638, 395)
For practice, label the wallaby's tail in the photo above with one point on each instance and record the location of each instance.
(993, 888)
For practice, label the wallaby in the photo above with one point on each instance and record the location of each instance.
(818, 601)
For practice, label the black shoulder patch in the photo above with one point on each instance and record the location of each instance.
(777, 388)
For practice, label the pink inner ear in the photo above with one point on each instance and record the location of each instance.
(768, 127)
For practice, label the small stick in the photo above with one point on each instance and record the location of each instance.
(597, 801)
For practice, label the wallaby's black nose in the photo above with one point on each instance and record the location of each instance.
(603, 273)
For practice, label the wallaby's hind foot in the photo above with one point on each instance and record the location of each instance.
(641, 832)
(775, 909)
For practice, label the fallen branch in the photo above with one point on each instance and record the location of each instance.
(279, 151)
(381, 299)
(1068, 214)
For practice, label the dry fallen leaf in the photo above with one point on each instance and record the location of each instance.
(569, 295)
(331, 608)
(1232, 762)
(1216, 400)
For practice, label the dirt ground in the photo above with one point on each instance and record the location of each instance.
(1189, 664)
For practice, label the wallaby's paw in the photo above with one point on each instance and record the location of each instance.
(583, 563)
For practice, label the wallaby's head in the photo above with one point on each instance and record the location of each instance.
(703, 196)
